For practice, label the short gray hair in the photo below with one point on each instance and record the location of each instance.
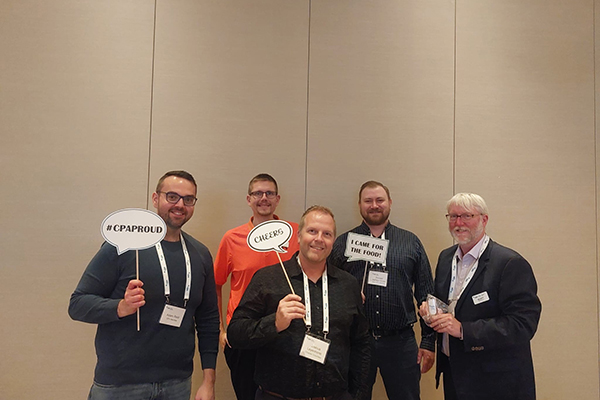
(468, 201)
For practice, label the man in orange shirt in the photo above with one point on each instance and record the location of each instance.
(235, 258)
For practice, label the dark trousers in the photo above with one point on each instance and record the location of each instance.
(262, 395)
(447, 381)
(396, 358)
(241, 365)
(449, 390)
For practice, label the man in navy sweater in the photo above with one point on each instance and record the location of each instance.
(157, 361)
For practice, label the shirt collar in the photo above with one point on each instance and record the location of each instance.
(251, 222)
(367, 231)
(294, 269)
(474, 252)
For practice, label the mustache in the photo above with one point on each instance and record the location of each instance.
(459, 231)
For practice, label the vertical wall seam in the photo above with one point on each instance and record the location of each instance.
(153, 60)
(454, 109)
(307, 107)
(596, 172)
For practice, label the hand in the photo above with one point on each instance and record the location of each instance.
(223, 339)
(426, 359)
(362, 295)
(132, 300)
(206, 391)
(424, 312)
(289, 308)
(446, 323)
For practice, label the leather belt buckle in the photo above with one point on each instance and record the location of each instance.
(379, 333)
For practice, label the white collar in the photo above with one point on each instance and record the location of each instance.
(475, 251)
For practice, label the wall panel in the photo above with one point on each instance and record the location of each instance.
(74, 121)
(525, 141)
(381, 87)
(381, 107)
(229, 103)
(597, 154)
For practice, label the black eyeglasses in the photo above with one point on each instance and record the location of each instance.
(173, 198)
(258, 194)
(463, 217)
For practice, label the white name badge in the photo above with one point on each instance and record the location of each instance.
(480, 298)
(378, 278)
(314, 348)
(172, 316)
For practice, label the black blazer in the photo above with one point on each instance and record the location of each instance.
(493, 361)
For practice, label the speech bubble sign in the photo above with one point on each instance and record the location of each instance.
(133, 229)
(271, 235)
(368, 248)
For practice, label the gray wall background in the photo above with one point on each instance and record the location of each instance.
(432, 97)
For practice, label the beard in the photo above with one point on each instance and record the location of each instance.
(175, 223)
(376, 218)
(472, 234)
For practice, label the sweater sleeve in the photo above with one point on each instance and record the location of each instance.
(96, 297)
(207, 315)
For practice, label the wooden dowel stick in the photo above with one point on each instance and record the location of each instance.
(137, 276)
(285, 273)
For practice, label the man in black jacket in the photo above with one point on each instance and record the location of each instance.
(484, 347)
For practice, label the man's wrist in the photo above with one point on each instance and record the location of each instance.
(209, 376)
(120, 309)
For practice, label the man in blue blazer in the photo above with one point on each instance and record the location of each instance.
(483, 346)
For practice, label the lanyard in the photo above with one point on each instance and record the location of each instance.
(383, 264)
(372, 265)
(325, 287)
(451, 298)
(165, 271)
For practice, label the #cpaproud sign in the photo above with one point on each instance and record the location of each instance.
(133, 229)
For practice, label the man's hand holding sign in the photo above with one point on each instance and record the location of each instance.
(133, 229)
(271, 236)
(274, 235)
